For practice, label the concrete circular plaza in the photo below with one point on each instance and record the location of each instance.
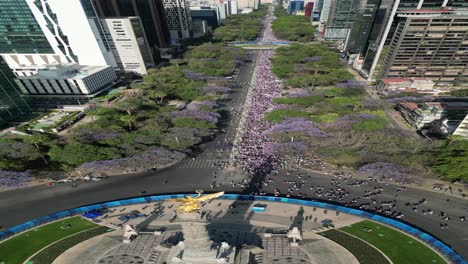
(233, 219)
(229, 221)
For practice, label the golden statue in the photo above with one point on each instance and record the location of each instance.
(191, 204)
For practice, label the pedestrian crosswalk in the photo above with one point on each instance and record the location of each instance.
(201, 163)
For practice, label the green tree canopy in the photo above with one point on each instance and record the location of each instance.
(76, 153)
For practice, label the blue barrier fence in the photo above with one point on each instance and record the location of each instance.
(260, 42)
(430, 240)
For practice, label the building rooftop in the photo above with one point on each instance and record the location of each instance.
(395, 80)
(410, 105)
(65, 71)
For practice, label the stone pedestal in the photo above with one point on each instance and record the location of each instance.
(197, 248)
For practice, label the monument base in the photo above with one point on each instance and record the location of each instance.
(179, 255)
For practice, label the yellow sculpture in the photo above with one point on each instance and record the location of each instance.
(191, 204)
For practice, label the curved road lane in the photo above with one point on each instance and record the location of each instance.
(21, 205)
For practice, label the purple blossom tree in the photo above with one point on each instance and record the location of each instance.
(14, 179)
(312, 59)
(211, 117)
(215, 90)
(286, 106)
(346, 121)
(150, 158)
(297, 93)
(238, 62)
(196, 105)
(195, 76)
(386, 170)
(352, 84)
(87, 135)
(297, 125)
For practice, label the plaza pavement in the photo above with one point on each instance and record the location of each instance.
(236, 225)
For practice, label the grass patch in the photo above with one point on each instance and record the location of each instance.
(451, 160)
(304, 101)
(17, 249)
(364, 253)
(370, 125)
(277, 116)
(340, 156)
(190, 122)
(400, 248)
(460, 93)
(49, 254)
(326, 118)
(345, 101)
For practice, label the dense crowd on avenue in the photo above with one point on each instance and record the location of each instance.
(252, 154)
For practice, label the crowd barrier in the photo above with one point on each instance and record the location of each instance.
(430, 240)
(260, 42)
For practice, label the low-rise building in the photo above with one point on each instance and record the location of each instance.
(414, 84)
(68, 80)
(419, 114)
(462, 129)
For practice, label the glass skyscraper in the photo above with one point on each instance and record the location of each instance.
(359, 36)
(19, 30)
(11, 102)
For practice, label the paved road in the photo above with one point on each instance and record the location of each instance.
(20, 205)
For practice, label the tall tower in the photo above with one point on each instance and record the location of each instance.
(419, 38)
(151, 13)
(179, 21)
(11, 102)
(340, 19)
(360, 32)
(42, 32)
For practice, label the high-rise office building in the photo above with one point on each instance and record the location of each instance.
(179, 21)
(254, 4)
(129, 44)
(151, 13)
(295, 6)
(359, 35)
(42, 32)
(20, 31)
(341, 18)
(205, 13)
(430, 44)
(12, 104)
(395, 29)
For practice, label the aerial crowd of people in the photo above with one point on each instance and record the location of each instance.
(249, 147)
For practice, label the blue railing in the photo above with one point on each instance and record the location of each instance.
(260, 42)
(430, 240)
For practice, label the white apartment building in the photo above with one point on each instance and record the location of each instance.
(234, 8)
(247, 4)
(68, 79)
(72, 30)
(129, 44)
(178, 18)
